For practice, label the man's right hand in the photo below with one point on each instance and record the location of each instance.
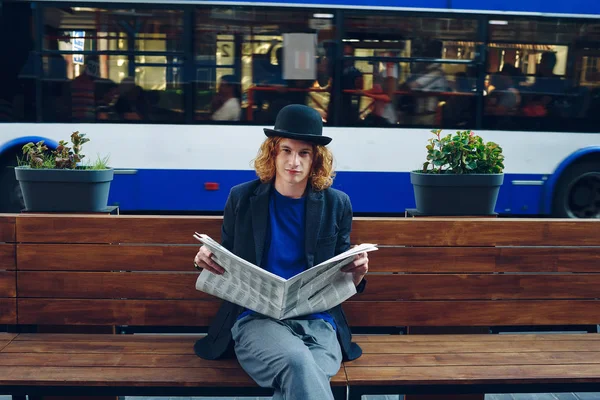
(203, 260)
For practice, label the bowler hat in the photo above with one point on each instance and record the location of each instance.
(299, 122)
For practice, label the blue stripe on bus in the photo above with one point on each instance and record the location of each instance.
(371, 192)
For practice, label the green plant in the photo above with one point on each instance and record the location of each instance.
(63, 157)
(100, 163)
(462, 153)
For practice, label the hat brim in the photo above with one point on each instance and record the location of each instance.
(317, 139)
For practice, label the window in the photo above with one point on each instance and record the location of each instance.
(17, 96)
(541, 75)
(408, 71)
(251, 62)
(129, 67)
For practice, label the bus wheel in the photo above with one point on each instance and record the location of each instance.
(577, 192)
(11, 198)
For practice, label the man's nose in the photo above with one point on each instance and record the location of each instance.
(295, 159)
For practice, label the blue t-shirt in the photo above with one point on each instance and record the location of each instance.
(284, 247)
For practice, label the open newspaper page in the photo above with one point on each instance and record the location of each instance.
(323, 286)
(243, 283)
(314, 290)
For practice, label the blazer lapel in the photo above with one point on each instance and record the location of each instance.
(314, 209)
(259, 204)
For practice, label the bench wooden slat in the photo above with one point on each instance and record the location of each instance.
(185, 346)
(8, 311)
(7, 228)
(476, 231)
(131, 376)
(110, 285)
(473, 375)
(188, 360)
(476, 347)
(7, 257)
(480, 287)
(481, 359)
(7, 284)
(40, 228)
(360, 313)
(485, 259)
(473, 313)
(180, 286)
(117, 312)
(91, 337)
(385, 231)
(122, 376)
(448, 338)
(180, 347)
(90, 257)
(102, 257)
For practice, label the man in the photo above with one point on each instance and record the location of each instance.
(287, 220)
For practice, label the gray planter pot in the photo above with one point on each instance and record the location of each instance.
(64, 190)
(449, 194)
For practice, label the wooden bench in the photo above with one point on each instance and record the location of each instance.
(448, 275)
(133, 274)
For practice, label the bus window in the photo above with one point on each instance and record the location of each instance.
(17, 96)
(540, 76)
(250, 62)
(400, 83)
(142, 83)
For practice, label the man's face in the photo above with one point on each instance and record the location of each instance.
(294, 162)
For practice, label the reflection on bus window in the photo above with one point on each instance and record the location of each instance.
(402, 85)
(17, 96)
(142, 85)
(271, 54)
(549, 86)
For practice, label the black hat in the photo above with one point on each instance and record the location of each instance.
(299, 122)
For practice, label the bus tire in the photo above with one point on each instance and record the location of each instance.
(577, 193)
(11, 198)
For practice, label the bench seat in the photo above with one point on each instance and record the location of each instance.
(475, 363)
(110, 364)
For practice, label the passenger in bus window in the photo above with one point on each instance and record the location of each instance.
(352, 79)
(378, 106)
(547, 88)
(288, 220)
(505, 98)
(107, 93)
(428, 77)
(226, 104)
(83, 92)
(132, 104)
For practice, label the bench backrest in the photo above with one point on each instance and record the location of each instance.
(8, 271)
(137, 271)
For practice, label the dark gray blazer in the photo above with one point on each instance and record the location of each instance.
(245, 223)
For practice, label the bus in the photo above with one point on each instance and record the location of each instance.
(176, 93)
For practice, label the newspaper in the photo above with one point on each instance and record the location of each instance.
(314, 290)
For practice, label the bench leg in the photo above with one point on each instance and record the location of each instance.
(339, 392)
(354, 394)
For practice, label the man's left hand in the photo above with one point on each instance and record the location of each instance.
(358, 267)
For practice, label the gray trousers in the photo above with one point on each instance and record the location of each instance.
(295, 357)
